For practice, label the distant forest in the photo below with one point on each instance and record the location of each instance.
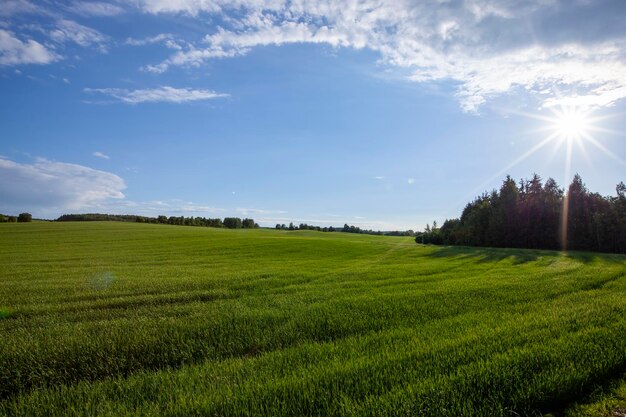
(21, 218)
(345, 229)
(538, 216)
(228, 222)
(529, 214)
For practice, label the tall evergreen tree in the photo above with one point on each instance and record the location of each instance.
(578, 216)
(533, 215)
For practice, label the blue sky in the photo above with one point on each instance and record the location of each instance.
(382, 114)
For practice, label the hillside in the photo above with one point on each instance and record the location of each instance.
(142, 319)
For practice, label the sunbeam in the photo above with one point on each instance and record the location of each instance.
(569, 126)
(518, 160)
(603, 148)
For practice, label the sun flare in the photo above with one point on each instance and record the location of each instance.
(571, 124)
(570, 130)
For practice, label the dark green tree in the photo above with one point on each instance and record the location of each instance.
(503, 229)
(24, 218)
(553, 209)
(579, 217)
(232, 223)
(248, 223)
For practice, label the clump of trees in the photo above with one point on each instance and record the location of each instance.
(304, 226)
(24, 218)
(538, 215)
(345, 229)
(229, 222)
(182, 221)
(97, 217)
(21, 218)
(355, 229)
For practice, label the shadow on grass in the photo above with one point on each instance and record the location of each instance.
(519, 256)
(601, 398)
(487, 255)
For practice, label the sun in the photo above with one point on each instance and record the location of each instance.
(569, 129)
(571, 124)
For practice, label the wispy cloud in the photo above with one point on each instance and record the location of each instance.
(410, 181)
(47, 185)
(193, 57)
(253, 211)
(155, 95)
(335, 221)
(169, 207)
(489, 47)
(44, 40)
(167, 39)
(14, 7)
(101, 155)
(95, 8)
(197, 208)
(70, 31)
(13, 51)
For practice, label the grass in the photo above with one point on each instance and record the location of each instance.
(134, 319)
(609, 401)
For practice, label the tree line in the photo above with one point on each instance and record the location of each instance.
(538, 215)
(228, 222)
(20, 218)
(345, 229)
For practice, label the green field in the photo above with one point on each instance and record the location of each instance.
(134, 319)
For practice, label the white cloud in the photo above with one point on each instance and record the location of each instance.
(101, 155)
(47, 186)
(170, 207)
(95, 8)
(197, 208)
(600, 97)
(15, 52)
(379, 178)
(155, 95)
(13, 7)
(488, 47)
(193, 57)
(252, 211)
(167, 39)
(58, 33)
(410, 181)
(70, 31)
(179, 6)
